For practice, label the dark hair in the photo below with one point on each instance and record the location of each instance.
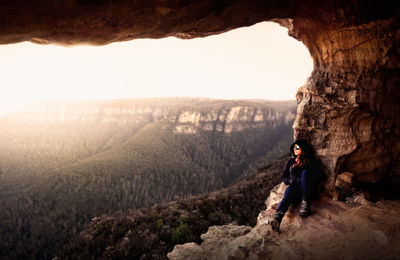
(306, 152)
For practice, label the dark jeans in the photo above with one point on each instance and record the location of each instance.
(297, 191)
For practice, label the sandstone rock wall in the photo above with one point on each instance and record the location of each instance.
(232, 119)
(349, 107)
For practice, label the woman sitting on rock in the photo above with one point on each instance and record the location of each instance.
(302, 174)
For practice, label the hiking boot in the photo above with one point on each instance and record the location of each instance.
(276, 221)
(305, 209)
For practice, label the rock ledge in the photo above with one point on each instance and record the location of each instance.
(357, 229)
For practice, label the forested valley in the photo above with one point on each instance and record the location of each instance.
(63, 164)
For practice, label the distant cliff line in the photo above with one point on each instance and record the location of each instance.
(189, 114)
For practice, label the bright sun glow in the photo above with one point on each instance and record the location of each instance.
(260, 62)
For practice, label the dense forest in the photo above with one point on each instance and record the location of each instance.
(153, 232)
(63, 164)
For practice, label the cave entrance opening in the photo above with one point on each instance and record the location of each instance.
(256, 62)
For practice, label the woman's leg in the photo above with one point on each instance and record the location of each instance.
(306, 188)
(306, 185)
(292, 193)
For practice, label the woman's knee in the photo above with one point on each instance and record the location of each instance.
(291, 193)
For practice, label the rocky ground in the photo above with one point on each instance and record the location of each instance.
(355, 229)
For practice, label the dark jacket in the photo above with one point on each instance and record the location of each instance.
(292, 174)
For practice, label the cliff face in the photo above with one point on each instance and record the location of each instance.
(233, 119)
(226, 117)
(349, 107)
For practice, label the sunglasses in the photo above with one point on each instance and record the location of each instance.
(297, 147)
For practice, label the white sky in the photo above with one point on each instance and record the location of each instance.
(260, 61)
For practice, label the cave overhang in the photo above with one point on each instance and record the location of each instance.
(349, 105)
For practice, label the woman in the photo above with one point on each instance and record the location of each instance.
(302, 174)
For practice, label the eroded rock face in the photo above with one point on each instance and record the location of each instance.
(357, 229)
(105, 21)
(232, 119)
(348, 108)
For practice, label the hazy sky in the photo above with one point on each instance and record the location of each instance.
(260, 61)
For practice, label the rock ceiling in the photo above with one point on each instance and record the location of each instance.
(349, 107)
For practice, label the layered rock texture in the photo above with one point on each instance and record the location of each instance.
(233, 119)
(349, 107)
(357, 229)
